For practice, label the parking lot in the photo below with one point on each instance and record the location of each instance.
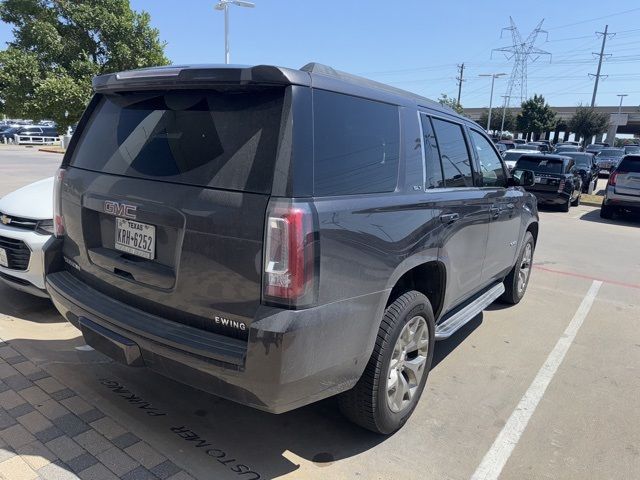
(566, 360)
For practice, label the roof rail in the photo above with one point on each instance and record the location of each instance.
(319, 68)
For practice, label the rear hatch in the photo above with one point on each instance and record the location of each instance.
(548, 172)
(627, 176)
(164, 201)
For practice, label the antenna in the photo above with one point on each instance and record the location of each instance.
(522, 52)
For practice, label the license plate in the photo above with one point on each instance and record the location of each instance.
(136, 238)
(4, 261)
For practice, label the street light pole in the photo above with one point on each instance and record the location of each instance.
(504, 112)
(493, 79)
(223, 5)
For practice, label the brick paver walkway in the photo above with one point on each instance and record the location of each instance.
(49, 432)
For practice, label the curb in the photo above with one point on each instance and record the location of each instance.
(51, 150)
(591, 204)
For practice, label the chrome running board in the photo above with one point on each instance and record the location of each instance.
(458, 319)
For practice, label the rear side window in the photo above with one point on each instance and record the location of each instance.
(630, 164)
(215, 139)
(454, 155)
(433, 168)
(356, 145)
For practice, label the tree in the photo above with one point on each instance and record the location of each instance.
(587, 122)
(536, 116)
(59, 45)
(496, 120)
(452, 103)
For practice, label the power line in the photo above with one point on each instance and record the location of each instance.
(601, 55)
(596, 18)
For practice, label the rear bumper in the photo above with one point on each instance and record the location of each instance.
(551, 198)
(613, 199)
(291, 358)
(30, 280)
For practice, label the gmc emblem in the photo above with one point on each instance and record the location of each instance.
(120, 209)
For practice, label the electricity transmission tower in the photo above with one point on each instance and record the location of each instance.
(522, 52)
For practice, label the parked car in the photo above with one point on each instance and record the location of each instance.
(587, 168)
(540, 146)
(519, 141)
(501, 147)
(608, 158)
(254, 238)
(510, 144)
(35, 134)
(526, 146)
(566, 148)
(623, 188)
(594, 148)
(26, 225)
(512, 156)
(557, 181)
(6, 136)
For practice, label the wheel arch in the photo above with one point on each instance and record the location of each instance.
(428, 278)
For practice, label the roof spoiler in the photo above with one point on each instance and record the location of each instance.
(198, 76)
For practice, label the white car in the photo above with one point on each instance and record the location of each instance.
(25, 226)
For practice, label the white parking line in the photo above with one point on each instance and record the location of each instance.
(497, 456)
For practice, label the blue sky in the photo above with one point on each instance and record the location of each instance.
(416, 44)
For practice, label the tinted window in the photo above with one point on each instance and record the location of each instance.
(540, 165)
(631, 149)
(226, 140)
(356, 145)
(581, 159)
(490, 164)
(433, 169)
(630, 164)
(611, 152)
(454, 155)
(512, 156)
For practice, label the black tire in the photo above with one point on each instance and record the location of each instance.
(511, 293)
(576, 202)
(366, 403)
(606, 212)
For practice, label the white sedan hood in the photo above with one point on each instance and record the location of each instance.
(34, 201)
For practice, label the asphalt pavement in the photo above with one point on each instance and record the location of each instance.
(547, 389)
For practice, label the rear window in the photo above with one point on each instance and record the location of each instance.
(630, 164)
(540, 165)
(215, 139)
(356, 145)
(512, 156)
(580, 159)
(611, 152)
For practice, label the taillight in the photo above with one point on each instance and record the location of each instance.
(561, 186)
(289, 261)
(613, 177)
(58, 219)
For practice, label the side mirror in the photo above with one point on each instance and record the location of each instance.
(522, 178)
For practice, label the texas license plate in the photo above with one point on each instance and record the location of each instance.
(4, 261)
(136, 238)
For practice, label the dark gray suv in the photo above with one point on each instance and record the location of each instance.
(278, 236)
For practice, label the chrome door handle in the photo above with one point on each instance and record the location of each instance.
(449, 217)
(495, 212)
